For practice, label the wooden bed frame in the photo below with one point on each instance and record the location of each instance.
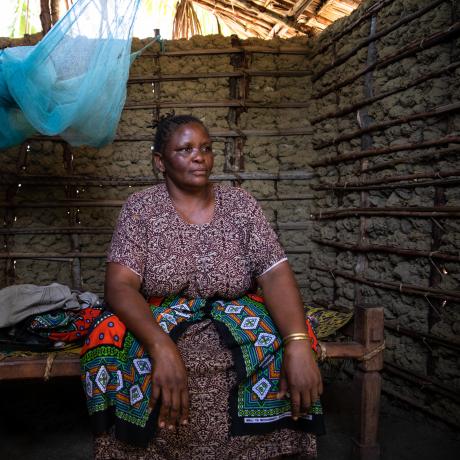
(367, 348)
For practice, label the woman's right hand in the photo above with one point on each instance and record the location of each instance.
(169, 385)
(169, 377)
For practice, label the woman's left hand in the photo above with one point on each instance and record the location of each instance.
(300, 377)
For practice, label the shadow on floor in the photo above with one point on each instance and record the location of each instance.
(48, 421)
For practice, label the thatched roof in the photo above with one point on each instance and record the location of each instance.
(247, 18)
(284, 18)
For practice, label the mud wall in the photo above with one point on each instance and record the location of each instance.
(61, 202)
(385, 136)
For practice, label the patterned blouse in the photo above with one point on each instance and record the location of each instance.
(221, 258)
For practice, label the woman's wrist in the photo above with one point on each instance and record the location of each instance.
(159, 340)
(298, 346)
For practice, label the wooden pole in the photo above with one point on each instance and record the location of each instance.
(423, 337)
(213, 51)
(400, 287)
(436, 112)
(148, 180)
(416, 404)
(407, 85)
(367, 383)
(410, 211)
(45, 16)
(388, 249)
(134, 80)
(227, 103)
(422, 381)
(420, 158)
(344, 57)
(349, 156)
(387, 180)
(373, 9)
(55, 11)
(409, 50)
(414, 184)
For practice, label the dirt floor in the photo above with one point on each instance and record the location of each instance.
(47, 421)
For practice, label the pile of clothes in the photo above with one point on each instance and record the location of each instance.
(41, 318)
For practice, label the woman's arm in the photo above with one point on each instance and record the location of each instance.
(169, 378)
(300, 374)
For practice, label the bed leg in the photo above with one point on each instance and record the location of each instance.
(367, 382)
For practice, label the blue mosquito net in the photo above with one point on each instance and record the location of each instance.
(73, 82)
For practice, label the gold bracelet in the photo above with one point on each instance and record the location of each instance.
(295, 336)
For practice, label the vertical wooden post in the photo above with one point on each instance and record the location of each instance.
(71, 193)
(367, 383)
(238, 88)
(45, 16)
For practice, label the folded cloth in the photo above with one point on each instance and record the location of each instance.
(327, 322)
(65, 326)
(20, 301)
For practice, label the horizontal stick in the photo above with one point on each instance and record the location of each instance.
(387, 180)
(115, 203)
(52, 255)
(148, 180)
(81, 230)
(373, 9)
(138, 79)
(409, 211)
(240, 50)
(388, 249)
(409, 50)
(442, 110)
(422, 381)
(430, 157)
(344, 350)
(228, 103)
(415, 403)
(348, 156)
(414, 184)
(423, 337)
(339, 60)
(392, 286)
(66, 256)
(358, 105)
(214, 133)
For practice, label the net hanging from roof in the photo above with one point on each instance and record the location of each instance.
(73, 82)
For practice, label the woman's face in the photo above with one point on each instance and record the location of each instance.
(187, 159)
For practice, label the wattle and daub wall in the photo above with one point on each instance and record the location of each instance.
(350, 142)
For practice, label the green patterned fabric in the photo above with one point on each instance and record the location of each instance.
(116, 372)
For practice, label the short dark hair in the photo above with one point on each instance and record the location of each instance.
(166, 127)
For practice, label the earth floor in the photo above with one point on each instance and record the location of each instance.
(48, 421)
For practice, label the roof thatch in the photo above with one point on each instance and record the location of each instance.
(284, 18)
(247, 18)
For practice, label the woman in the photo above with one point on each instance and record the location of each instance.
(230, 387)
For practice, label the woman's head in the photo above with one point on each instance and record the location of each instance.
(168, 125)
(183, 151)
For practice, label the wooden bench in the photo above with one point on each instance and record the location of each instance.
(366, 347)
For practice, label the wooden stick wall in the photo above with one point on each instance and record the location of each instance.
(347, 167)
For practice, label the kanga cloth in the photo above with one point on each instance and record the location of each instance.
(64, 325)
(211, 376)
(116, 372)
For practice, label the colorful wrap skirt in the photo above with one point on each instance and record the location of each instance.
(116, 371)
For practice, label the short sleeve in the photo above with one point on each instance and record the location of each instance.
(265, 251)
(129, 242)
